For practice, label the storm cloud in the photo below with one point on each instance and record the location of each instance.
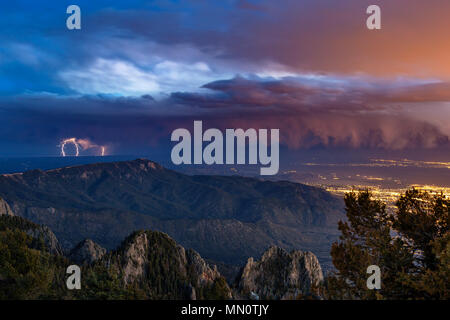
(308, 114)
(138, 69)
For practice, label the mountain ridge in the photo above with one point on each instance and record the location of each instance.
(146, 265)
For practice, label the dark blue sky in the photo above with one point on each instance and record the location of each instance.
(139, 69)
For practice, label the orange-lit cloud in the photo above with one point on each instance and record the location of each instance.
(331, 36)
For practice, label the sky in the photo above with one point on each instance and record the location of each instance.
(139, 69)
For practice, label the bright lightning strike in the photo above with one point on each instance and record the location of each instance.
(74, 142)
(82, 144)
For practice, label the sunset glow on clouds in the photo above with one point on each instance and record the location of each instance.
(136, 70)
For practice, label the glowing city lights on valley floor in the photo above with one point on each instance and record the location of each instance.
(83, 144)
(388, 195)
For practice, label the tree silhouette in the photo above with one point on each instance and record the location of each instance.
(411, 246)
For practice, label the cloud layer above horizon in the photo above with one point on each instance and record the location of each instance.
(138, 70)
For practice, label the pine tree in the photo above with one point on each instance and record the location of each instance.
(411, 247)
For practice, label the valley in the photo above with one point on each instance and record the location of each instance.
(225, 218)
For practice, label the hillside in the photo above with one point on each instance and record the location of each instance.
(146, 265)
(225, 218)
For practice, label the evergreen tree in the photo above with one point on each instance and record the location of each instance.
(411, 247)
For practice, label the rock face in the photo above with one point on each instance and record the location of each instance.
(156, 261)
(86, 252)
(280, 275)
(135, 259)
(5, 209)
(151, 265)
(43, 237)
(49, 238)
(205, 273)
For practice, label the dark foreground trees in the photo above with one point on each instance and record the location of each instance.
(411, 246)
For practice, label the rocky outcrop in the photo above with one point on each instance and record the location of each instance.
(43, 237)
(135, 259)
(280, 275)
(5, 209)
(205, 273)
(86, 252)
(51, 242)
(153, 258)
(151, 265)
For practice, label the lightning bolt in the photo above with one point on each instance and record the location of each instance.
(83, 144)
(74, 142)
